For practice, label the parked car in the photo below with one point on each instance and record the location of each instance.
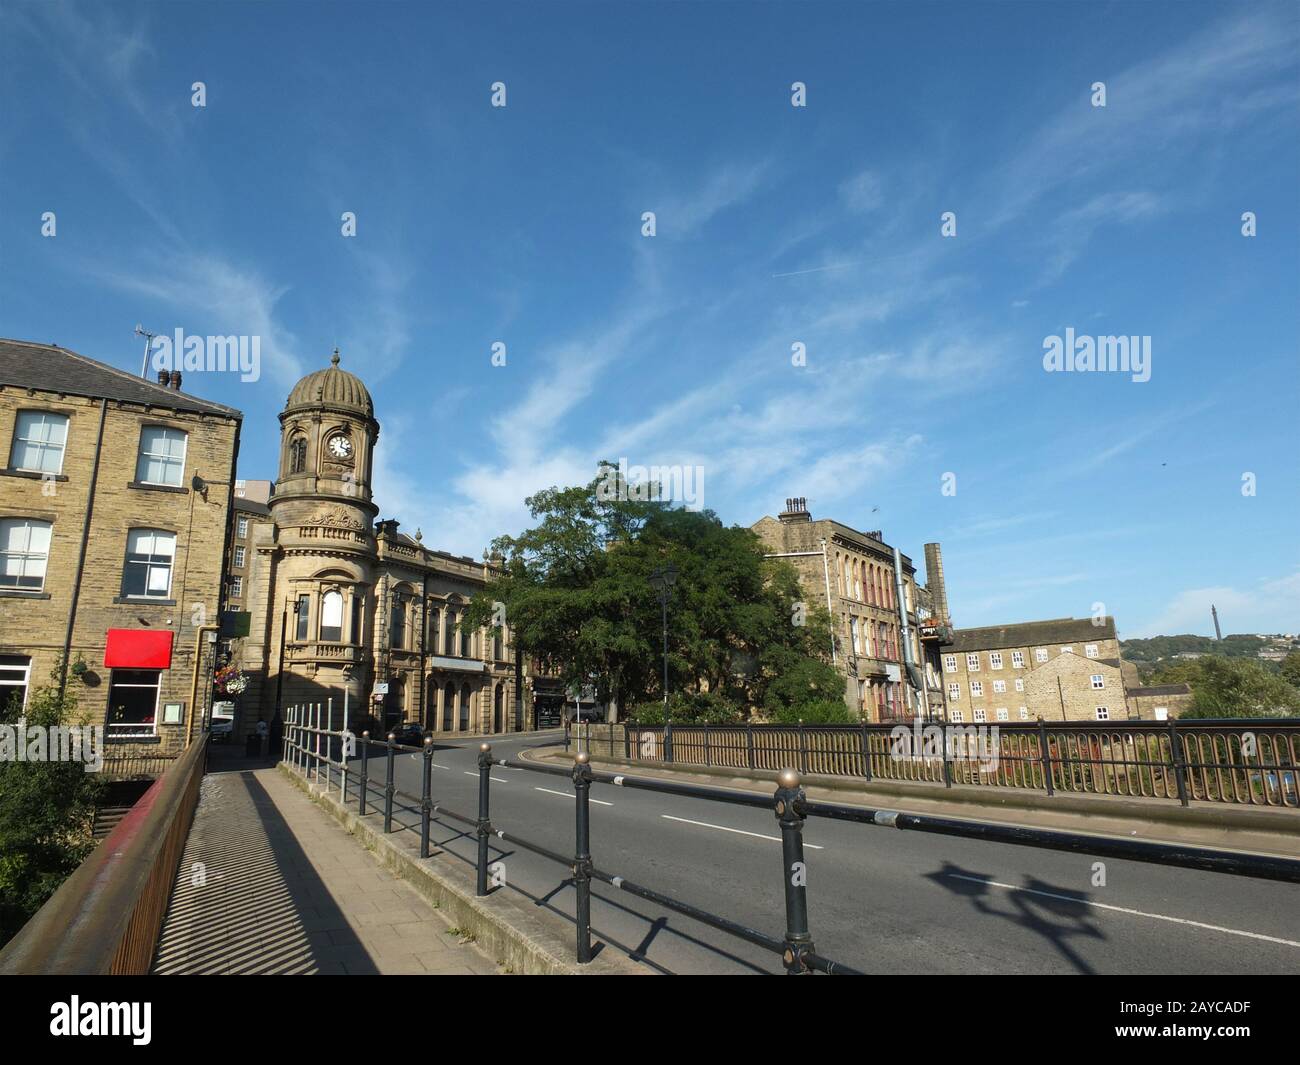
(408, 733)
(222, 729)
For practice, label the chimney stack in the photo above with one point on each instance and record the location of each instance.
(934, 582)
(176, 380)
(163, 375)
(796, 509)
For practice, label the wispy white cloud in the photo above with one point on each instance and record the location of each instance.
(1270, 606)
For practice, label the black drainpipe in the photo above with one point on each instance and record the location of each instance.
(81, 557)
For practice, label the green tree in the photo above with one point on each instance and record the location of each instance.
(577, 595)
(1239, 687)
(1291, 669)
(46, 811)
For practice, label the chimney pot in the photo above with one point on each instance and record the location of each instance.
(163, 375)
(176, 380)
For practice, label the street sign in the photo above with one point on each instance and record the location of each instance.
(381, 688)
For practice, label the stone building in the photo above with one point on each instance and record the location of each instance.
(344, 610)
(114, 503)
(986, 671)
(876, 642)
(250, 503)
(1158, 702)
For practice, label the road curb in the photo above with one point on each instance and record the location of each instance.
(522, 938)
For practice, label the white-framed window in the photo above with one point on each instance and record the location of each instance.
(950, 663)
(162, 456)
(977, 689)
(855, 635)
(980, 715)
(999, 686)
(954, 691)
(241, 528)
(1018, 659)
(1098, 682)
(973, 663)
(240, 554)
(1020, 684)
(1103, 713)
(955, 715)
(1002, 714)
(237, 587)
(40, 438)
(24, 552)
(1067, 650)
(133, 702)
(148, 570)
(1162, 713)
(1040, 654)
(1090, 650)
(995, 659)
(15, 673)
(331, 617)
(1024, 713)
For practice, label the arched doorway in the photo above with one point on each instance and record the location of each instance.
(464, 708)
(496, 709)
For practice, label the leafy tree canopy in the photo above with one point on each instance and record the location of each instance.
(1233, 687)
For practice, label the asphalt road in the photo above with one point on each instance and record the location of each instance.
(879, 900)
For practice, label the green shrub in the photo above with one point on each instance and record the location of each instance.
(815, 712)
(690, 708)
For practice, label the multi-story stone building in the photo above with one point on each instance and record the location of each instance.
(114, 502)
(251, 499)
(343, 610)
(870, 592)
(1073, 663)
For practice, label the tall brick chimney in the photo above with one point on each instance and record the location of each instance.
(934, 582)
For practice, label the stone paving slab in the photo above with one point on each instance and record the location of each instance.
(269, 883)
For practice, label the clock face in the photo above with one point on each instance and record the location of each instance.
(340, 446)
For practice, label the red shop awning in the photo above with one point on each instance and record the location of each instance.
(138, 649)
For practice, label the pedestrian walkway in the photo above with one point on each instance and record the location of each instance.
(269, 883)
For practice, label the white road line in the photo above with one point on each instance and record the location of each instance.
(1125, 909)
(566, 795)
(738, 831)
(497, 779)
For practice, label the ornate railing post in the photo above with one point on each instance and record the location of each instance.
(582, 854)
(1045, 755)
(426, 796)
(749, 745)
(389, 786)
(668, 739)
(708, 754)
(866, 751)
(788, 801)
(945, 754)
(803, 749)
(365, 773)
(1176, 754)
(484, 826)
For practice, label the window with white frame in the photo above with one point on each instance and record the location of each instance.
(24, 552)
(973, 663)
(1002, 714)
(239, 556)
(1090, 650)
(133, 702)
(1040, 654)
(1020, 684)
(1024, 713)
(40, 438)
(162, 456)
(980, 715)
(1103, 713)
(241, 528)
(999, 686)
(148, 570)
(955, 715)
(977, 688)
(1018, 659)
(995, 659)
(15, 673)
(950, 663)
(1098, 682)
(954, 691)
(236, 587)
(331, 617)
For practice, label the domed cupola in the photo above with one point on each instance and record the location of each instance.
(331, 389)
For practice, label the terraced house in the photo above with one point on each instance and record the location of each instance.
(115, 496)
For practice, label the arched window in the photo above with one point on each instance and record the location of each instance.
(397, 630)
(298, 454)
(331, 617)
(497, 702)
(431, 637)
(465, 649)
(449, 633)
(448, 706)
(464, 707)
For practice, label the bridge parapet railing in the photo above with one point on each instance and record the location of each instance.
(1238, 761)
(307, 751)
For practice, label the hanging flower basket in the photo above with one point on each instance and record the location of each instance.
(231, 680)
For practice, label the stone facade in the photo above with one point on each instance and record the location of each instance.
(851, 574)
(1159, 702)
(115, 496)
(987, 671)
(344, 611)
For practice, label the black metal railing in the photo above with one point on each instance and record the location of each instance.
(1239, 761)
(789, 803)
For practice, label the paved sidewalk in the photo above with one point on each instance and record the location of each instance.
(285, 889)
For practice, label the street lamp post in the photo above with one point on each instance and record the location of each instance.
(662, 580)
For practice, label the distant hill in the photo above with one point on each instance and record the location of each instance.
(1163, 648)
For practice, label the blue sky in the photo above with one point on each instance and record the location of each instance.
(776, 225)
